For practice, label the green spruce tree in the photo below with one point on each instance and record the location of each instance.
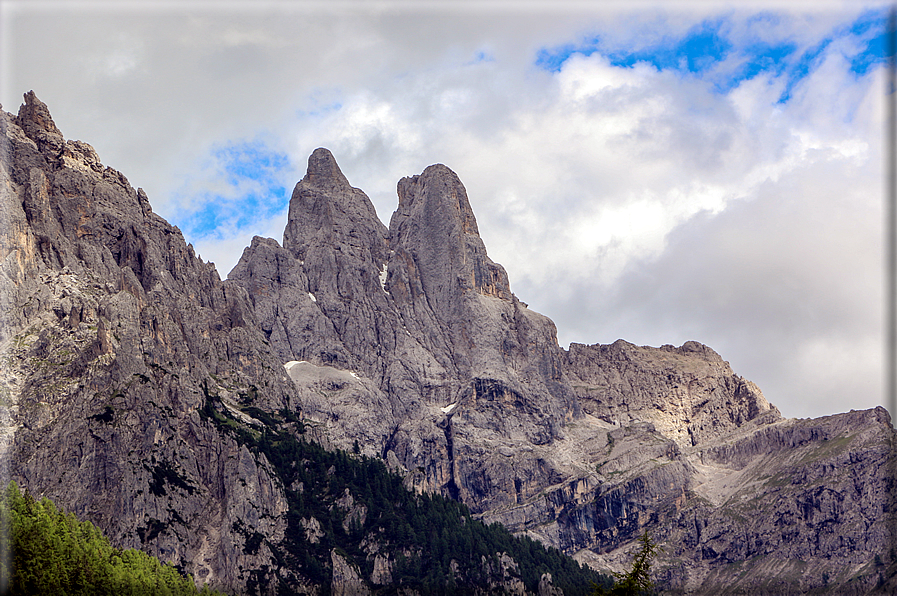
(53, 553)
(636, 581)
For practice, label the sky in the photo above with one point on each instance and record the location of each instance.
(656, 172)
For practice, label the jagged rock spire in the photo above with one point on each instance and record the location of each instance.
(435, 223)
(326, 211)
(323, 171)
(34, 117)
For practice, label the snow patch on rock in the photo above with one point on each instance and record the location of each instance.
(382, 276)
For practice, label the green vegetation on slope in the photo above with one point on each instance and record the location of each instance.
(637, 581)
(435, 543)
(55, 554)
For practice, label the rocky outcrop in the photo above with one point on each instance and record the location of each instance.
(787, 507)
(801, 504)
(689, 393)
(440, 264)
(346, 580)
(114, 335)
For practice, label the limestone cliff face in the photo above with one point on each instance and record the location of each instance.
(113, 334)
(689, 392)
(781, 507)
(441, 264)
(340, 247)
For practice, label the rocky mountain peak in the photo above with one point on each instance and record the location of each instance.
(439, 183)
(435, 223)
(326, 211)
(697, 348)
(323, 170)
(34, 117)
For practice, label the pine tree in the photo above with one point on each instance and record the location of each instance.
(637, 581)
(54, 553)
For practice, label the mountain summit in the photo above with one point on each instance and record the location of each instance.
(188, 416)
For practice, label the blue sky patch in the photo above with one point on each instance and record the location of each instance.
(249, 161)
(552, 60)
(481, 56)
(702, 47)
(808, 60)
(707, 52)
(872, 55)
(697, 52)
(253, 191)
(871, 27)
(757, 59)
(320, 109)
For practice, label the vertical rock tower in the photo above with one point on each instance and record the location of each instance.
(423, 320)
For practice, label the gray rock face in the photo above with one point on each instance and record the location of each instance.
(784, 507)
(441, 263)
(113, 334)
(689, 393)
(346, 580)
(333, 228)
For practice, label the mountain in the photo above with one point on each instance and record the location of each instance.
(410, 341)
(114, 332)
(140, 393)
(186, 415)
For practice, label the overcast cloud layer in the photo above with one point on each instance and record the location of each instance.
(659, 174)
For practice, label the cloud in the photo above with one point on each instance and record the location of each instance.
(733, 48)
(784, 281)
(695, 172)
